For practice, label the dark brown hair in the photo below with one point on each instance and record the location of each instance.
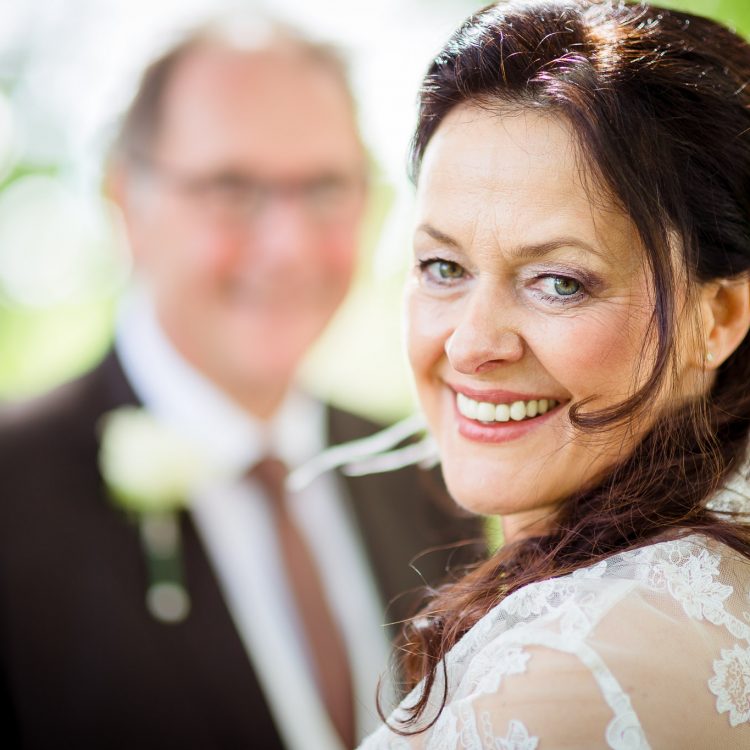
(659, 102)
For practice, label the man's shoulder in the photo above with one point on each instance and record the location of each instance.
(48, 455)
(423, 486)
(411, 528)
(344, 425)
(35, 416)
(62, 417)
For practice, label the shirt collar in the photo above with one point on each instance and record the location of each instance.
(179, 395)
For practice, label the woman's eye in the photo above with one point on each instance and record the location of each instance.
(559, 289)
(442, 270)
(566, 287)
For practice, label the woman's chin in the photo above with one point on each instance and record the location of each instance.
(485, 495)
(490, 487)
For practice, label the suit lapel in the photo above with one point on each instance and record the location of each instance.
(207, 657)
(405, 520)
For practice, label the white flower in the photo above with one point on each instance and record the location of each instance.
(147, 466)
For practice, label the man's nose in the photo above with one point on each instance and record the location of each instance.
(282, 229)
(485, 335)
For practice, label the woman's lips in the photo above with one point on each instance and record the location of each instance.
(496, 396)
(500, 416)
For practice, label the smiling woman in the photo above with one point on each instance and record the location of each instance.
(577, 327)
(525, 291)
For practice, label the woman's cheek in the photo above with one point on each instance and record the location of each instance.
(428, 326)
(592, 354)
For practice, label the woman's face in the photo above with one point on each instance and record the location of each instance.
(526, 296)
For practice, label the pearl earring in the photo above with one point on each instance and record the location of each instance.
(709, 357)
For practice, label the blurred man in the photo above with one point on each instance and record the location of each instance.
(242, 182)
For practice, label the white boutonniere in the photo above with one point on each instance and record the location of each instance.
(150, 470)
(147, 465)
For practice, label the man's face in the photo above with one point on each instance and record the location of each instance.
(245, 220)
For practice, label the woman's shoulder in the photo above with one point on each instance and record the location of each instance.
(694, 571)
(647, 648)
(692, 580)
(691, 569)
(637, 638)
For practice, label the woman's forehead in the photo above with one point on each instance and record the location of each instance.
(519, 175)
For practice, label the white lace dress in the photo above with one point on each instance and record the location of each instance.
(648, 649)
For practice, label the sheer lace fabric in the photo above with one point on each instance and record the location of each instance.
(647, 649)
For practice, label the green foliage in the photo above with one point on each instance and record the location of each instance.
(39, 348)
(734, 13)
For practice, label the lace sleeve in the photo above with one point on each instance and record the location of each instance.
(648, 650)
(547, 700)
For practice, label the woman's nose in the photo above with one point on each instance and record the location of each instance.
(484, 337)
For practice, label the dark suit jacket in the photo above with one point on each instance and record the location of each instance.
(82, 663)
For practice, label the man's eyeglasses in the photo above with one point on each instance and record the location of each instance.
(234, 196)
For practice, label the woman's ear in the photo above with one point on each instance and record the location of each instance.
(725, 311)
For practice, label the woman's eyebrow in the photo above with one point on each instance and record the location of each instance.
(436, 234)
(545, 248)
(536, 250)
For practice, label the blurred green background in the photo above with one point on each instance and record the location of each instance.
(67, 68)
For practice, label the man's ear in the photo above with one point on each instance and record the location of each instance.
(121, 188)
(116, 183)
(725, 310)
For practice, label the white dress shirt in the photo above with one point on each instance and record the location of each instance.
(234, 523)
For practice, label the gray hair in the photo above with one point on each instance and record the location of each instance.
(140, 121)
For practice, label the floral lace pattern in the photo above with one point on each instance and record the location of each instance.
(691, 579)
(516, 739)
(487, 671)
(734, 497)
(695, 585)
(731, 684)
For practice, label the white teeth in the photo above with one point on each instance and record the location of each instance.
(486, 412)
(483, 411)
(467, 406)
(517, 410)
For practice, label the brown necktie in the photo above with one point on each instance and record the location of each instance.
(326, 645)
